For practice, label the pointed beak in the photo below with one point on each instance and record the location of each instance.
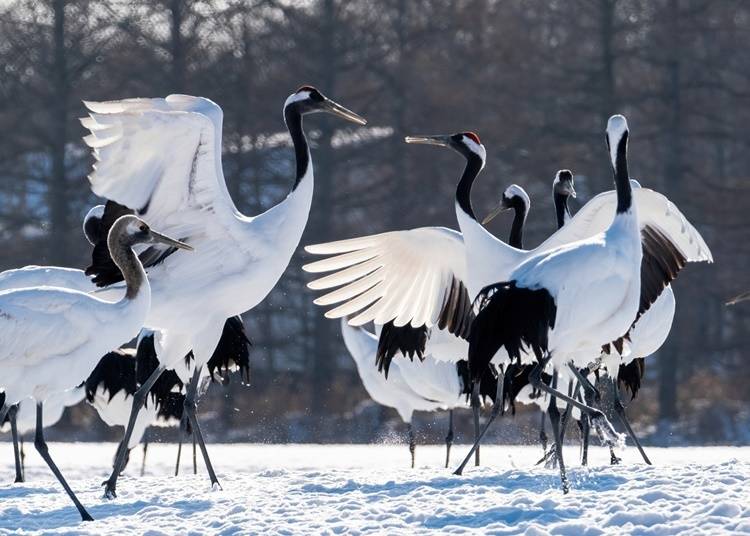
(442, 141)
(572, 191)
(344, 113)
(158, 237)
(492, 215)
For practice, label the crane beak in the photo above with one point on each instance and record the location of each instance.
(158, 237)
(442, 141)
(571, 191)
(345, 113)
(492, 215)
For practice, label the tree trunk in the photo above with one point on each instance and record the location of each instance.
(59, 252)
(669, 361)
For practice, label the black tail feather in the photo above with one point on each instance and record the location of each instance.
(115, 372)
(232, 351)
(511, 317)
(630, 376)
(406, 340)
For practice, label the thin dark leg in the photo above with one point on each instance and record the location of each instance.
(143, 462)
(554, 417)
(23, 457)
(496, 408)
(583, 426)
(12, 412)
(139, 398)
(605, 430)
(620, 411)
(592, 393)
(41, 447)
(572, 390)
(190, 407)
(412, 444)
(179, 453)
(195, 458)
(543, 433)
(449, 439)
(550, 460)
(475, 411)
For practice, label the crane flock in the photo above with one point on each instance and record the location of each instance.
(460, 317)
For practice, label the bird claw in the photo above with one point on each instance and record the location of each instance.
(215, 486)
(109, 491)
(549, 459)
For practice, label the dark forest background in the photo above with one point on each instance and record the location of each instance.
(536, 79)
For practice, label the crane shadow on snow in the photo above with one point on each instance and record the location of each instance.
(16, 491)
(66, 516)
(503, 482)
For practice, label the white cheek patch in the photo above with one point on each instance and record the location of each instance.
(296, 97)
(515, 190)
(476, 148)
(96, 212)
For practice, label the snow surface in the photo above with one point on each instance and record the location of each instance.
(359, 489)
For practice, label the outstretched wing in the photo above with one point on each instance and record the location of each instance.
(414, 277)
(654, 211)
(161, 158)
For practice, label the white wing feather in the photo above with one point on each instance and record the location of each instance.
(402, 275)
(161, 157)
(654, 210)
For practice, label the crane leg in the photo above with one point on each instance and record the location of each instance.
(497, 406)
(583, 426)
(179, 453)
(449, 439)
(412, 444)
(475, 411)
(12, 412)
(620, 411)
(195, 458)
(139, 399)
(190, 407)
(554, 418)
(604, 428)
(143, 462)
(41, 447)
(23, 456)
(590, 391)
(542, 432)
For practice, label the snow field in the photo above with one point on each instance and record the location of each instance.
(369, 489)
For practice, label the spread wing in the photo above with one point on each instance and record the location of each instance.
(414, 277)
(161, 158)
(654, 211)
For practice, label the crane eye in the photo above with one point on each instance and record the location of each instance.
(143, 227)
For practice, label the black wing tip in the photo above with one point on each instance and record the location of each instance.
(406, 340)
(232, 352)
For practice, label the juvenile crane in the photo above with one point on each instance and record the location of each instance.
(53, 337)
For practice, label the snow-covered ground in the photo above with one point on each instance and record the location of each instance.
(356, 489)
